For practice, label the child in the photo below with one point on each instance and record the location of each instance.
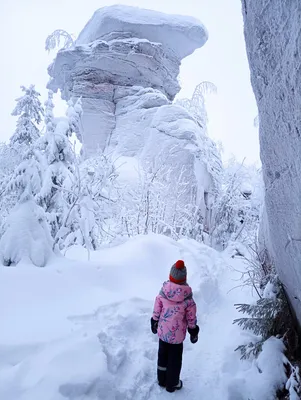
(174, 312)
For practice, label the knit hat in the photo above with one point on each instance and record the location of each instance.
(178, 273)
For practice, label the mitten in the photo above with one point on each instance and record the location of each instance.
(194, 334)
(194, 339)
(154, 326)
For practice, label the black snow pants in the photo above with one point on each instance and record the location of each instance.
(169, 363)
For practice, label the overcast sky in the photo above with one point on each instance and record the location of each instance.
(24, 25)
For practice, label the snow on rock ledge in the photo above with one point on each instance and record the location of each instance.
(180, 34)
(125, 61)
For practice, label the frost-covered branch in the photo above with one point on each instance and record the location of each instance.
(59, 39)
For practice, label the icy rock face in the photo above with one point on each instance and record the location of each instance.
(273, 40)
(148, 127)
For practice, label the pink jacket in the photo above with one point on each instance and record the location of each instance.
(175, 310)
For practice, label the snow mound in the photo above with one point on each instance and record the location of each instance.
(27, 237)
(181, 34)
(267, 372)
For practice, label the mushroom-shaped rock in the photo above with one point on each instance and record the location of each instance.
(124, 65)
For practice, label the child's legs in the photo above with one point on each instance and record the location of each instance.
(162, 362)
(174, 365)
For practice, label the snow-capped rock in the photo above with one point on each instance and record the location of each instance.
(127, 46)
(177, 33)
(272, 32)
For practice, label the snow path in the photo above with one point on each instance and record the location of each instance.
(208, 365)
(79, 333)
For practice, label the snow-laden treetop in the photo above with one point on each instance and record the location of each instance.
(181, 34)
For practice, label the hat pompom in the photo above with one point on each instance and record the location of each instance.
(180, 264)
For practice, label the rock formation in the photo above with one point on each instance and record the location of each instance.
(125, 65)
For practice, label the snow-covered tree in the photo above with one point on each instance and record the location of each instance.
(26, 181)
(10, 158)
(12, 155)
(43, 184)
(30, 112)
(26, 234)
(56, 195)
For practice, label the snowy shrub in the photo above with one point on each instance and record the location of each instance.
(261, 321)
(293, 384)
(257, 269)
(271, 376)
(156, 204)
(236, 212)
(26, 236)
(271, 317)
(196, 105)
(93, 200)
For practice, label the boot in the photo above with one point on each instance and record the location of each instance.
(174, 388)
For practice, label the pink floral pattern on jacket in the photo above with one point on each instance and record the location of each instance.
(175, 310)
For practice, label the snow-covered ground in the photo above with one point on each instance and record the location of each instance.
(78, 330)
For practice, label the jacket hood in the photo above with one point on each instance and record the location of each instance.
(176, 293)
